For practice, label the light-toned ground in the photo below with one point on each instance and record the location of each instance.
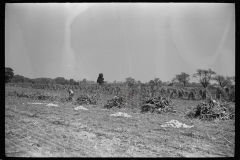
(35, 130)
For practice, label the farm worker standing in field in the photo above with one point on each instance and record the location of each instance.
(71, 94)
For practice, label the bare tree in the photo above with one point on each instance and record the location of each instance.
(204, 76)
(222, 81)
(183, 78)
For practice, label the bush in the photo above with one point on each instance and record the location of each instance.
(211, 109)
(87, 99)
(117, 101)
(157, 104)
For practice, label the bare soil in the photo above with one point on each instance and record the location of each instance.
(35, 130)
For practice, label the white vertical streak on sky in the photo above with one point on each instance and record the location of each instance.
(68, 56)
(154, 40)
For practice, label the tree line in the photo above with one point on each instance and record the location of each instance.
(203, 77)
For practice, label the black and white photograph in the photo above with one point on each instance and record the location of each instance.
(120, 79)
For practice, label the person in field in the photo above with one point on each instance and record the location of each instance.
(71, 94)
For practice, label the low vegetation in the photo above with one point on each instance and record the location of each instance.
(84, 125)
(212, 109)
(157, 104)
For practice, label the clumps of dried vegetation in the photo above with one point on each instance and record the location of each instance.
(116, 101)
(82, 99)
(35, 95)
(211, 109)
(157, 104)
(87, 99)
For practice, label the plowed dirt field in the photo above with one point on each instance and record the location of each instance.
(37, 130)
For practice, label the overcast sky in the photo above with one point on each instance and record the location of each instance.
(120, 40)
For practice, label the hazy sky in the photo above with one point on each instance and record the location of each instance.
(141, 40)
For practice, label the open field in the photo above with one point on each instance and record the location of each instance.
(37, 130)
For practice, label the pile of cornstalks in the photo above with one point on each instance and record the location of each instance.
(211, 109)
(157, 104)
(117, 101)
(87, 99)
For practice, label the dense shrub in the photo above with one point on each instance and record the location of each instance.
(87, 99)
(157, 104)
(117, 101)
(211, 109)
